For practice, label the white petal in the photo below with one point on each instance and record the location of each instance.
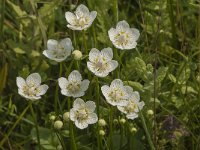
(20, 82)
(81, 10)
(135, 96)
(94, 54)
(132, 116)
(91, 67)
(75, 27)
(112, 34)
(72, 115)
(116, 83)
(102, 73)
(65, 92)
(67, 44)
(84, 85)
(70, 17)
(33, 79)
(93, 15)
(75, 76)
(129, 90)
(52, 44)
(141, 105)
(42, 89)
(78, 94)
(107, 53)
(92, 118)
(49, 54)
(136, 33)
(81, 125)
(122, 25)
(78, 103)
(105, 90)
(121, 108)
(112, 65)
(90, 105)
(62, 82)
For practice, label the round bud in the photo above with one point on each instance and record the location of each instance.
(102, 132)
(77, 54)
(122, 121)
(133, 130)
(58, 124)
(102, 122)
(66, 116)
(150, 112)
(59, 147)
(52, 117)
(115, 121)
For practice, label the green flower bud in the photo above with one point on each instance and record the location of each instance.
(102, 132)
(102, 122)
(58, 124)
(77, 54)
(66, 116)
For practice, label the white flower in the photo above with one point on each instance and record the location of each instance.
(133, 106)
(31, 88)
(81, 18)
(100, 62)
(74, 86)
(117, 94)
(83, 113)
(58, 50)
(124, 37)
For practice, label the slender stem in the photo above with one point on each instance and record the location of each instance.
(147, 132)
(56, 98)
(115, 7)
(111, 129)
(15, 124)
(74, 38)
(71, 130)
(36, 126)
(85, 44)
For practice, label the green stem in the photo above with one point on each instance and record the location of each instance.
(85, 44)
(71, 130)
(15, 124)
(115, 7)
(111, 129)
(147, 132)
(36, 126)
(56, 98)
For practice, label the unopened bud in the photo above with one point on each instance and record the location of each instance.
(102, 122)
(66, 116)
(58, 124)
(77, 54)
(150, 112)
(133, 130)
(52, 117)
(101, 132)
(122, 121)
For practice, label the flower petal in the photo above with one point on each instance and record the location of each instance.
(52, 44)
(67, 44)
(112, 34)
(72, 115)
(91, 67)
(112, 65)
(49, 54)
(105, 90)
(33, 79)
(136, 33)
(20, 82)
(116, 83)
(42, 89)
(77, 94)
(70, 17)
(92, 118)
(81, 10)
(107, 53)
(94, 54)
(93, 15)
(90, 105)
(81, 125)
(132, 116)
(78, 103)
(135, 96)
(84, 85)
(75, 76)
(122, 25)
(62, 82)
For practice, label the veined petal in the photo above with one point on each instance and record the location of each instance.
(93, 15)
(135, 96)
(129, 90)
(112, 65)
(49, 54)
(122, 25)
(84, 85)
(116, 83)
(92, 118)
(91, 67)
(65, 92)
(75, 76)
(112, 34)
(107, 54)
(105, 90)
(20, 82)
(70, 17)
(141, 105)
(73, 27)
(42, 89)
(62, 82)
(78, 103)
(52, 44)
(77, 94)
(72, 115)
(101, 73)
(132, 116)
(94, 54)
(90, 105)
(67, 44)
(33, 79)
(81, 125)
(121, 108)
(136, 33)
(81, 10)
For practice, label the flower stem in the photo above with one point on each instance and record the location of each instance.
(147, 132)
(56, 98)
(71, 130)
(15, 124)
(36, 125)
(111, 129)
(115, 7)
(85, 44)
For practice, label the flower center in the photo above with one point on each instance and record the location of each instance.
(73, 87)
(116, 95)
(122, 38)
(30, 90)
(82, 114)
(59, 52)
(131, 107)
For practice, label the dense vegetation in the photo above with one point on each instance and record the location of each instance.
(164, 68)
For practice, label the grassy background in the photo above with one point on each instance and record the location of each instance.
(164, 68)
